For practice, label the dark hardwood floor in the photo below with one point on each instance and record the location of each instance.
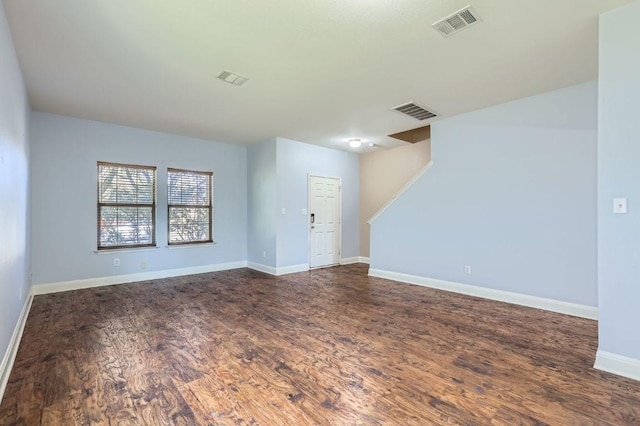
(330, 346)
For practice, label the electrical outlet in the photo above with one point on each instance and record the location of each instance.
(116, 262)
(467, 269)
(619, 205)
(143, 265)
(264, 254)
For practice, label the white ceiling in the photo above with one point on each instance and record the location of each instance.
(320, 71)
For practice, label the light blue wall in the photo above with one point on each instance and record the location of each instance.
(14, 188)
(64, 155)
(511, 193)
(262, 190)
(619, 177)
(295, 161)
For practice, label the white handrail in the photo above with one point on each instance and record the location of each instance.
(403, 189)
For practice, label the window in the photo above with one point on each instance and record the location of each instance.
(126, 206)
(190, 210)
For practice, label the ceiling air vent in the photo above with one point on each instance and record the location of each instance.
(415, 111)
(457, 21)
(233, 78)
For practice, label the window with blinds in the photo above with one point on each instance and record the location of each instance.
(190, 209)
(126, 206)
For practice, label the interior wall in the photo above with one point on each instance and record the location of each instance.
(382, 174)
(262, 202)
(14, 189)
(295, 161)
(511, 194)
(619, 177)
(63, 220)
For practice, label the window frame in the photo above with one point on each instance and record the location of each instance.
(170, 205)
(152, 205)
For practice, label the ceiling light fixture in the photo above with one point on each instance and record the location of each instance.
(355, 143)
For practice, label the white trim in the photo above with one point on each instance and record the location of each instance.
(261, 268)
(122, 279)
(401, 191)
(292, 269)
(355, 259)
(117, 251)
(283, 270)
(191, 245)
(583, 311)
(14, 343)
(617, 364)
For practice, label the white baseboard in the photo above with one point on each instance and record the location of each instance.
(14, 343)
(144, 276)
(355, 259)
(283, 270)
(583, 311)
(618, 364)
(261, 268)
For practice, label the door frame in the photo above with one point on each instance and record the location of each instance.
(309, 175)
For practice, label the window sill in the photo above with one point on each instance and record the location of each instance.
(125, 250)
(193, 245)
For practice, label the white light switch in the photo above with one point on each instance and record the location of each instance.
(304, 212)
(284, 211)
(619, 205)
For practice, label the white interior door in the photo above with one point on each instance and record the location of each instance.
(324, 221)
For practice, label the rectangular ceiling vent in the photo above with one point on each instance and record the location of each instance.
(457, 21)
(233, 78)
(413, 110)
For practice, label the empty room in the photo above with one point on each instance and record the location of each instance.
(331, 212)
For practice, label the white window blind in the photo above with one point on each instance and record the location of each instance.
(126, 206)
(190, 209)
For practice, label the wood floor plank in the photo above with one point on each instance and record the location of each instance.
(324, 347)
